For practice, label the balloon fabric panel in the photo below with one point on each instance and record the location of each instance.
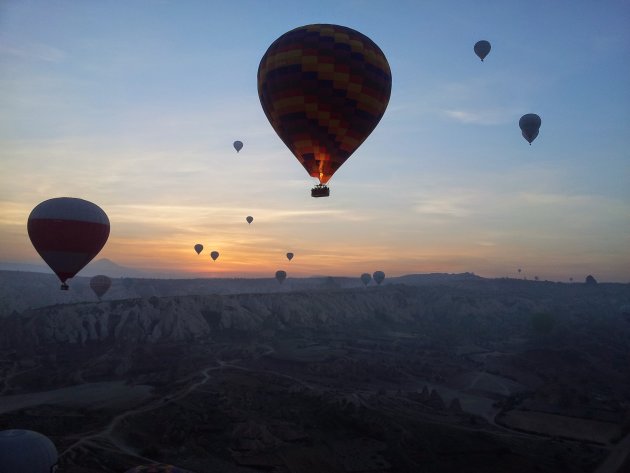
(324, 88)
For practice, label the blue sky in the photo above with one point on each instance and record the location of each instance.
(134, 105)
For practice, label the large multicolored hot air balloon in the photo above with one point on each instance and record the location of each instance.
(26, 451)
(67, 233)
(366, 278)
(324, 88)
(482, 48)
(379, 277)
(530, 126)
(281, 276)
(157, 468)
(238, 145)
(100, 285)
(198, 248)
(214, 255)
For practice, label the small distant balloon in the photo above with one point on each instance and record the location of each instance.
(530, 126)
(250, 219)
(26, 451)
(198, 248)
(379, 277)
(214, 255)
(482, 48)
(281, 276)
(238, 145)
(366, 278)
(100, 285)
(289, 256)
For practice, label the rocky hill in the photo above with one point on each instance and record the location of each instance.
(479, 311)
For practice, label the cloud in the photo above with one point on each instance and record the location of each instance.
(495, 116)
(37, 51)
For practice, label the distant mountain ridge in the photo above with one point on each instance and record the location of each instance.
(457, 313)
(21, 290)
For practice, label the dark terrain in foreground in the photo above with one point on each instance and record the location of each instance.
(469, 375)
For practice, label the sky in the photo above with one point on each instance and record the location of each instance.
(134, 105)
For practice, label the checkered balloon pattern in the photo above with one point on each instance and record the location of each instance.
(324, 88)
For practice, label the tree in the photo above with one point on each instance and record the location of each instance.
(590, 280)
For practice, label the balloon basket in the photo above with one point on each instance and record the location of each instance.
(320, 190)
(64, 287)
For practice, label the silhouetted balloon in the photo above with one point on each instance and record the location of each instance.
(250, 219)
(281, 276)
(289, 256)
(324, 88)
(67, 233)
(519, 270)
(25, 451)
(366, 278)
(100, 285)
(529, 125)
(198, 248)
(238, 145)
(214, 255)
(482, 48)
(378, 276)
(157, 468)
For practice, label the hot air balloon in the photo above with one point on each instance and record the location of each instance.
(378, 276)
(324, 88)
(281, 276)
(289, 256)
(198, 248)
(67, 233)
(238, 145)
(100, 285)
(214, 255)
(366, 278)
(530, 126)
(157, 468)
(482, 48)
(26, 451)
(250, 219)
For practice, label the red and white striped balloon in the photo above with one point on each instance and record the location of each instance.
(67, 233)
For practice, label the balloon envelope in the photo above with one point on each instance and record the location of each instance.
(378, 276)
(250, 219)
(67, 233)
(100, 285)
(530, 126)
(26, 451)
(289, 256)
(366, 278)
(324, 88)
(198, 248)
(281, 276)
(238, 145)
(482, 48)
(214, 255)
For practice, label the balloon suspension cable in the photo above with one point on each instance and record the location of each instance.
(320, 190)
(64, 286)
